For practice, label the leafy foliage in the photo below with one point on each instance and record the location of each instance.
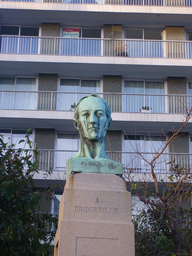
(155, 224)
(24, 230)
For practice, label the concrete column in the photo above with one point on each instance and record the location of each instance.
(111, 47)
(179, 145)
(178, 102)
(45, 139)
(47, 82)
(113, 142)
(50, 45)
(112, 31)
(175, 49)
(113, 84)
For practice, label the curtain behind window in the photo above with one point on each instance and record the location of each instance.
(66, 100)
(25, 100)
(190, 93)
(65, 142)
(133, 103)
(7, 98)
(148, 146)
(156, 103)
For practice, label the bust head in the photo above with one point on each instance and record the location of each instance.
(92, 117)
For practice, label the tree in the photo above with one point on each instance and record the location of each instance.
(24, 230)
(163, 227)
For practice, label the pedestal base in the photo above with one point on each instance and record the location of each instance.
(95, 217)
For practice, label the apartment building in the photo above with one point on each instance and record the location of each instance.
(137, 54)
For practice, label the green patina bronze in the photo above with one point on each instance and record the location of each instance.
(92, 118)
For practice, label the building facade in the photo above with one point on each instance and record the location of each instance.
(136, 54)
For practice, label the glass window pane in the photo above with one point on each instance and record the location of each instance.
(91, 33)
(133, 102)
(68, 95)
(156, 103)
(9, 30)
(131, 160)
(25, 98)
(69, 85)
(67, 146)
(6, 136)
(134, 87)
(155, 144)
(133, 34)
(152, 34)
(190, 88)
(6, 97)
(57, 199)
(90, 86)
(154, 87)
(29, 31)
(26, 84)
(7, 83)
(20, 135)
(189, 36)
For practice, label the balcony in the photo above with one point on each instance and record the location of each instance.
(128, 48)
(56, 160)
(85, 57)
(119, 102)
(115, 2)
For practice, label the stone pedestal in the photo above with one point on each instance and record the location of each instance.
(93, 166)
(95, 217)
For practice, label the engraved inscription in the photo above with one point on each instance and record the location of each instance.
(97, 200)
(103, 210)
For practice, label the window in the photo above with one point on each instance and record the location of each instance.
(66, 146)
(17, 93)
(151, 47)
(142, 34)
(141, 95)
(91, 33)
(80, 41)
(145, 145)
(188, 50)
(81, 32)
(189, 36)
(190, 94)
(14, 136)
(133, 34)
(56, 202)
(18, 39)
(71, 90)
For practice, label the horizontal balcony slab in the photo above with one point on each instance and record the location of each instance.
(23, 13)
(94, 66)
(131, 123)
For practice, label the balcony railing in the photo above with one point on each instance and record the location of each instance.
(119, 102)
(116, 2)
(96, 47)
(132, 162)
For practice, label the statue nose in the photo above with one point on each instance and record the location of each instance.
(92, 119)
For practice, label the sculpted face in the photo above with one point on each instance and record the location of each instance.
(93, 122)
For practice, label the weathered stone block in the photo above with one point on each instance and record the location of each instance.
(95, 217)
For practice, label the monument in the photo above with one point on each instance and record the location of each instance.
(95, 209)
